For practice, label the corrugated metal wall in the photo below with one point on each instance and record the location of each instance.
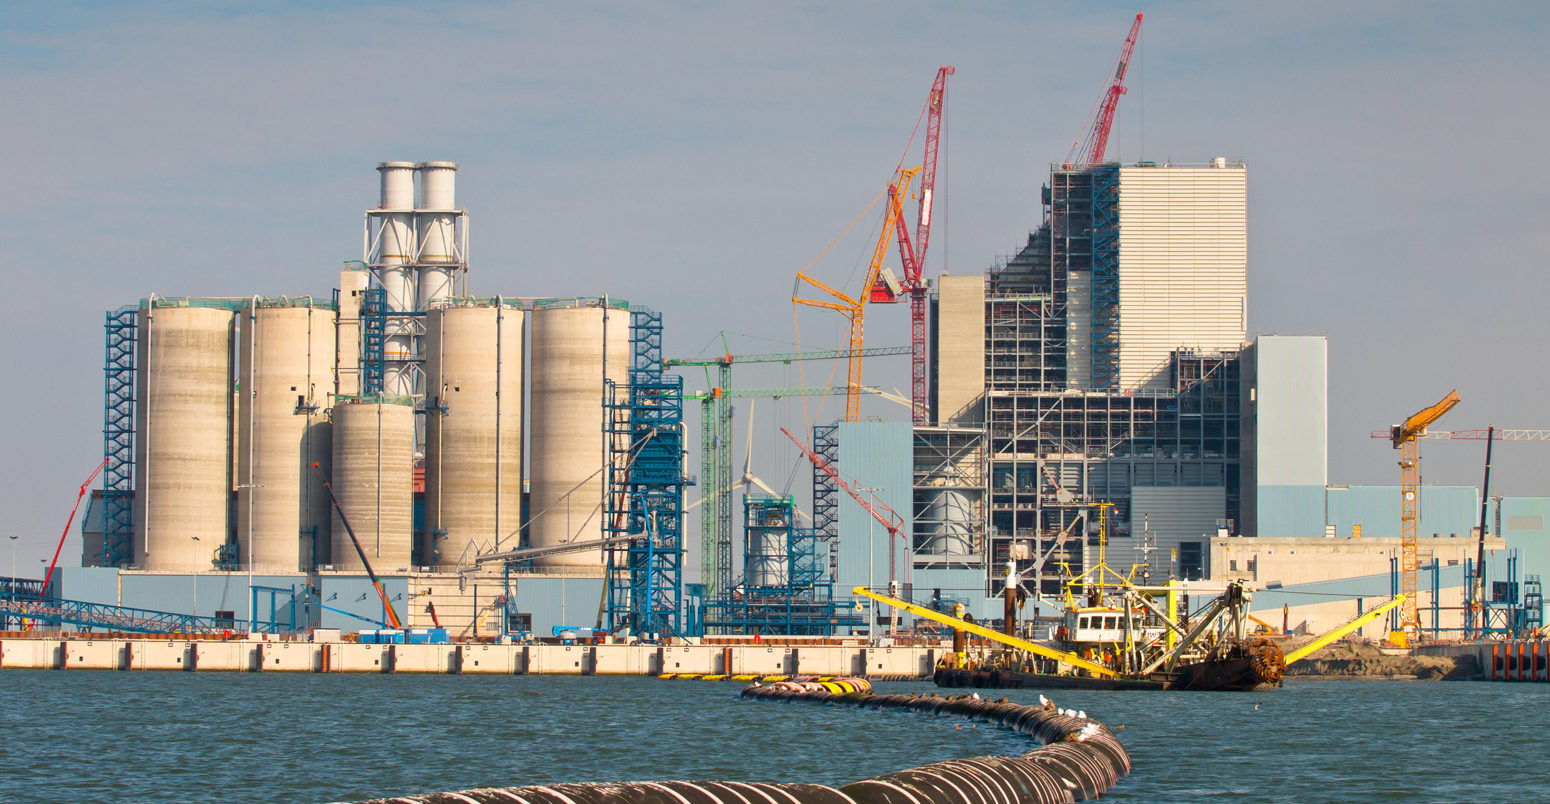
(1183, 265)
(1172, 515)
(876, 455)
(1445, 510)
(1526, 524)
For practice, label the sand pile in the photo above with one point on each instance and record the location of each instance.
(1363, 659)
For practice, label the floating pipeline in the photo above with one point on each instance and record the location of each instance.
(1078, 760)
(826, 683)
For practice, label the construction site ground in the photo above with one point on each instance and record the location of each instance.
(1349, 659)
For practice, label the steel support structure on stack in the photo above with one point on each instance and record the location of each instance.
(118, 437)
(645, 489)
(373, 336)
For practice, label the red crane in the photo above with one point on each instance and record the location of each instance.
(913, 254)
(892, 522)
(1090, 151)
(48, 576)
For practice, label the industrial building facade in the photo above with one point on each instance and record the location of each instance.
(1101, 363)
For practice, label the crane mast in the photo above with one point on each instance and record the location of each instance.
(1091, 150)
(912, 252)
(1404, 437)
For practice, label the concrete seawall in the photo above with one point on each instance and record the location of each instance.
(349, 657)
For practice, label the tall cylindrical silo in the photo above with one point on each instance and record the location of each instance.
(565, 438)
(948, 532)
(373, 444)
(438, 238)
(183, 409)
(396, 253)
(285, 373)
(473, 431)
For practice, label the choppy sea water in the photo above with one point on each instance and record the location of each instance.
(140, 736)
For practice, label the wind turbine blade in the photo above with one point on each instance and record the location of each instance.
(758, 481)
(748, 444)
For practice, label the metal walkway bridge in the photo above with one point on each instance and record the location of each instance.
(20, 604)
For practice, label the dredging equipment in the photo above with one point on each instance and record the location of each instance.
(1129, 642)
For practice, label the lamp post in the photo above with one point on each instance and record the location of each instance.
(14, 537)
(871, 560)
(253, 615)
(194, 601)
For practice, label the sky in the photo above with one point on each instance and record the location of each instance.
(694, 156)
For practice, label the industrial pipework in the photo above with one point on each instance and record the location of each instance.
(1078, 760)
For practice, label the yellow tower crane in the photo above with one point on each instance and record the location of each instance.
(854, 308)
(1404, 436)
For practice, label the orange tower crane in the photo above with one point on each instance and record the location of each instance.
(1488, 435)
(1404, 437)
(852, 308)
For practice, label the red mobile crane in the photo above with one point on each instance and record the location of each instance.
(1090, 150)
(84, 486)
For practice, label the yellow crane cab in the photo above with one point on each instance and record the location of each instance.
(1103, 625)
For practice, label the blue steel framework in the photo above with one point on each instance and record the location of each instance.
(373, 336)
(804, 605)
(645, 488)
(118, 436)
(1105, 277)
(826, 494)
(115, 618)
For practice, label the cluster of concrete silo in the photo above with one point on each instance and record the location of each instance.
(238, 399)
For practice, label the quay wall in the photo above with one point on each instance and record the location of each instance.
(270, 656)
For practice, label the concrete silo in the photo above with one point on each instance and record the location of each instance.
(569, 361)
(373, 446)
(285, 376)
(183, 407)
(473, 430)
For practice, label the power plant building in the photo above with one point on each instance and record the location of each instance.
(1100, 363)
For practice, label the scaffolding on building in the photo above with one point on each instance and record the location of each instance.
(118, 437)
(645, 479)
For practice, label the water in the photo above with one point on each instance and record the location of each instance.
(104, 736)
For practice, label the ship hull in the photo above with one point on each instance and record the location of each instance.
(1229, 675)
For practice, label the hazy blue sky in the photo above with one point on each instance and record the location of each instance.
(694, 156)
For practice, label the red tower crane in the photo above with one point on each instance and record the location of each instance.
(912, 251)
(1090, 151)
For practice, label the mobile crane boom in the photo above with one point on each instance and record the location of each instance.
(387, 605)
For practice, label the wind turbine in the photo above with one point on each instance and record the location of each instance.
(749, 479)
